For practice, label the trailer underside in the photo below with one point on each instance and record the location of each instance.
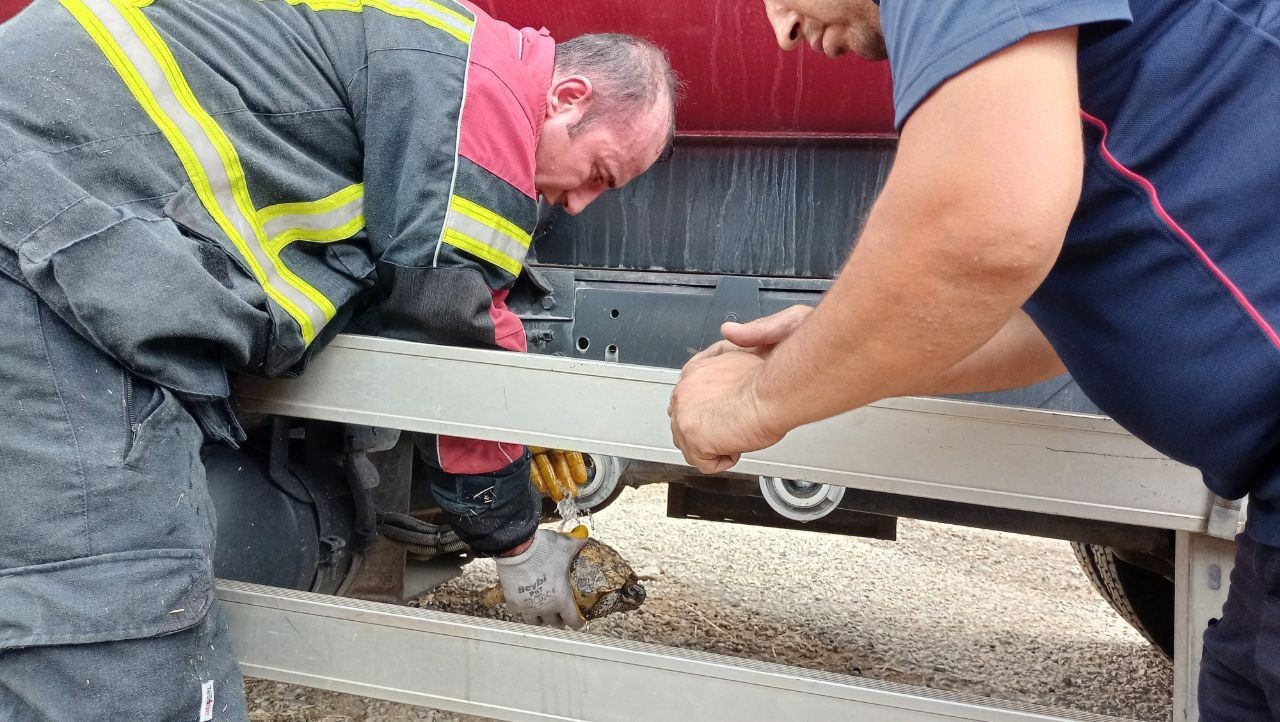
(1072, 466)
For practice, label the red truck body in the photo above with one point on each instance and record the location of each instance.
(739, 83)
(9, 8)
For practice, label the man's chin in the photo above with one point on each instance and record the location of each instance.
(866, 53)
(869, 46)
(875, 54)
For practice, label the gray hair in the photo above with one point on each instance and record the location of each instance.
(629, 75)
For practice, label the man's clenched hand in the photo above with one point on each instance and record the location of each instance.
(715, 412)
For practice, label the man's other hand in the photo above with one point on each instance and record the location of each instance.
(715, 412)
(535, 582)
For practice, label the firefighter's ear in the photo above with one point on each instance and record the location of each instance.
(569, 95)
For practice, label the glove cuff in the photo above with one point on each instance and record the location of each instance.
(536, 550)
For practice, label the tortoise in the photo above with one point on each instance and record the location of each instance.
(603, 583)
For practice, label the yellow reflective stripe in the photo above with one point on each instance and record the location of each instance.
(149, 70)
(335, 217)
(466, 19)
(239, 188)
(479, 213)
(483, 251)
(486, 235)
(324, 235)
(448, 23)
(321, 206)
(434, 14)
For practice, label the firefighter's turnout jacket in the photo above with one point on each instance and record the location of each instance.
(203, 185)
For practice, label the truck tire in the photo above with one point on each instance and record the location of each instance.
(1142, 597)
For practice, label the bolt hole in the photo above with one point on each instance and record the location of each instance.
(615, 313)
(584, 343)
(612, 350)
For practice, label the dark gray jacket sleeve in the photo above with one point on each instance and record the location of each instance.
(407, 104)
(492, 512)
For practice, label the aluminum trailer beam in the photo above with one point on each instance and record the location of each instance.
(514, 672)
(1075, 465)
(1080, 466)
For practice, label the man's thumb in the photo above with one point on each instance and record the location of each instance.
(760, 332)
(768, 331)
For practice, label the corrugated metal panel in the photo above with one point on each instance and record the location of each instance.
(749, 209)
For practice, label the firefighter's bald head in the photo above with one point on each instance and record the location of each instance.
(610, 116)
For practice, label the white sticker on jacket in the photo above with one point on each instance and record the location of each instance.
(206, 701)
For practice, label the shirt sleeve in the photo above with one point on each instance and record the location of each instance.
(930, 41)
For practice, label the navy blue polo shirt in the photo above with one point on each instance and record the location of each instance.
(1165, 302)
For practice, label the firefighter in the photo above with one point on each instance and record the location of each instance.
(198, 187)
(1082, 183)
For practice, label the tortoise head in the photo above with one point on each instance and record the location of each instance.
(630, 597)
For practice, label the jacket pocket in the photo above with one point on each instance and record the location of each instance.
(104, 598)
(141, 399)
(135, 288)
(148, 408)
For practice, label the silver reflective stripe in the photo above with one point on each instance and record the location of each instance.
(490, 237)
(457, 23)
(206, 152)
(315, 223)
(439, 13)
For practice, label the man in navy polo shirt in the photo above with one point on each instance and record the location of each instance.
(1095, 181)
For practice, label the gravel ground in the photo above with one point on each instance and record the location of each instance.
(946, 607)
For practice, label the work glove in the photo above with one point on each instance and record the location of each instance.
(535, 583)
(557, 474)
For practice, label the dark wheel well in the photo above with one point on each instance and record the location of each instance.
(1143, 597)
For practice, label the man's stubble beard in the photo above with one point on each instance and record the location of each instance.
(867, 41)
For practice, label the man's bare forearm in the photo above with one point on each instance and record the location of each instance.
(899, 318)
(1018, 355)
(987, 177)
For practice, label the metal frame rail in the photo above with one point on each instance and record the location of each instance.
(1073, 465)
(508, 671)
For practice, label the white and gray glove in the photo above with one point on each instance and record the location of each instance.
(535, 582)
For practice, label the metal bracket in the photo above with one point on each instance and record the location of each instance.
(548, 295)
(1225, 518)
(737, 298)
(1202, 571)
